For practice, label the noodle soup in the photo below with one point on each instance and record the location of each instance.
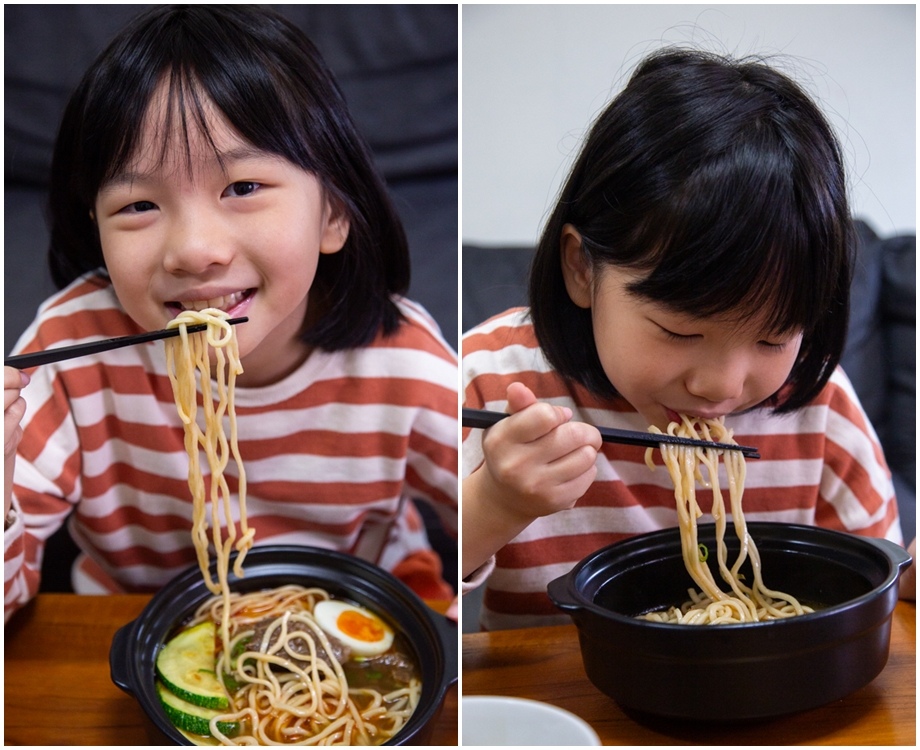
(300, 667)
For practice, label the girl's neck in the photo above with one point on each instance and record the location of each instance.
(260, 371)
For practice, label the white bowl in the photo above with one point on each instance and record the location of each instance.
(495, 720)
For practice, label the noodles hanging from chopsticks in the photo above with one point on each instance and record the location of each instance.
(710, 604)
(185, 355)
(288, 678)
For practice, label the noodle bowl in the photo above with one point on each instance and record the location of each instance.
(712, 605)
(430, 639)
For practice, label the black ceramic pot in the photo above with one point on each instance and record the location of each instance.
(730, 672)
(434, 637)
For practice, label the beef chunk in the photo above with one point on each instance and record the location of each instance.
(298, 645)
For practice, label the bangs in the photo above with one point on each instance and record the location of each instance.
(735, 240)
(184, 109)
(207, 69)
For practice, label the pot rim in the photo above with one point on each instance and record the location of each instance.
(570, 593)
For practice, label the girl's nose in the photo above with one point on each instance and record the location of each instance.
(194, 244)
(718, 381)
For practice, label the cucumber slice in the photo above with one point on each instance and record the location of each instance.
(191, 718)
(186, 666)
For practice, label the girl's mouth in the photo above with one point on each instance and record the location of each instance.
(692, 415)
(227, 302)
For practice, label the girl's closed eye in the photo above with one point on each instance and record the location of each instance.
(674, 336)
(775, 346)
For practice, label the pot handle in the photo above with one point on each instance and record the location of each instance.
(560, 591)
(895, 552)
(118, 658)
(447, 630)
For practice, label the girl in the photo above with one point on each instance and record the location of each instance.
(696, 262)
(208, 159)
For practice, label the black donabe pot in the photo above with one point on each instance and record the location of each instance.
(731, 672)
(434, 637)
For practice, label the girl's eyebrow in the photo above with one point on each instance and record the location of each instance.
(242, 152)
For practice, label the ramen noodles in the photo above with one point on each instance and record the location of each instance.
(710, 604)
(187, 355)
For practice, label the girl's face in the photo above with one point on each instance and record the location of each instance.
(185, 232)
(665, 363)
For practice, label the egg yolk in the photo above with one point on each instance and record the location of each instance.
(360, 626)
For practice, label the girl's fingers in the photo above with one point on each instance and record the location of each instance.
(531, 424)
(13, 378)
(565, 439)
(12, 430)
(568, 493)
(572, 464)
(13, 381)
(519, 397)
(10, 395)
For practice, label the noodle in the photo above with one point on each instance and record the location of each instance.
(280, 694)
(184, 356)
(296, 696)
(711, 605)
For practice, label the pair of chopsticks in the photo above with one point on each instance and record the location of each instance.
(482, 419)
(23, 361)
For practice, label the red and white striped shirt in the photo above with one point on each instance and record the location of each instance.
(821, 465)
(333, 453)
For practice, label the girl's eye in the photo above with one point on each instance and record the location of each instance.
(777, 347)
(138, 207)
(678, 336)
(240, 189)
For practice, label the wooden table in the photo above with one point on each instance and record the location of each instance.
(545, 664)
(56, 676)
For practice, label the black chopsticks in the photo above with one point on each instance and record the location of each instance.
(482, 418)
(23, 361)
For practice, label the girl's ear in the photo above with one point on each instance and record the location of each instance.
(576, 270)
(336, 230)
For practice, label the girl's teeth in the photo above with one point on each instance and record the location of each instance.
(221, 303)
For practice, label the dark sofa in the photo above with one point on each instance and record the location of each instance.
(398, 68)
(880, 356)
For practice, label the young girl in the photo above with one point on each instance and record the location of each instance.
(696, 262)
(207, 159)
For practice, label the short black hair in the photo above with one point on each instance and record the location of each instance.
(723, 183)
(271, 84)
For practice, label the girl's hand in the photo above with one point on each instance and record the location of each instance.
(538, 461)
(14, 408)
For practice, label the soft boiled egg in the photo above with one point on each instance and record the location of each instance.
(359, 629)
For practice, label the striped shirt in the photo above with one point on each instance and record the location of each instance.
(821, 465)
(333, 453)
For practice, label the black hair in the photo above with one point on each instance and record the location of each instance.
(723, 184)
(271, 84)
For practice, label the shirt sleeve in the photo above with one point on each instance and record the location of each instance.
(856, 492)
(478, 577)
(46, 485)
